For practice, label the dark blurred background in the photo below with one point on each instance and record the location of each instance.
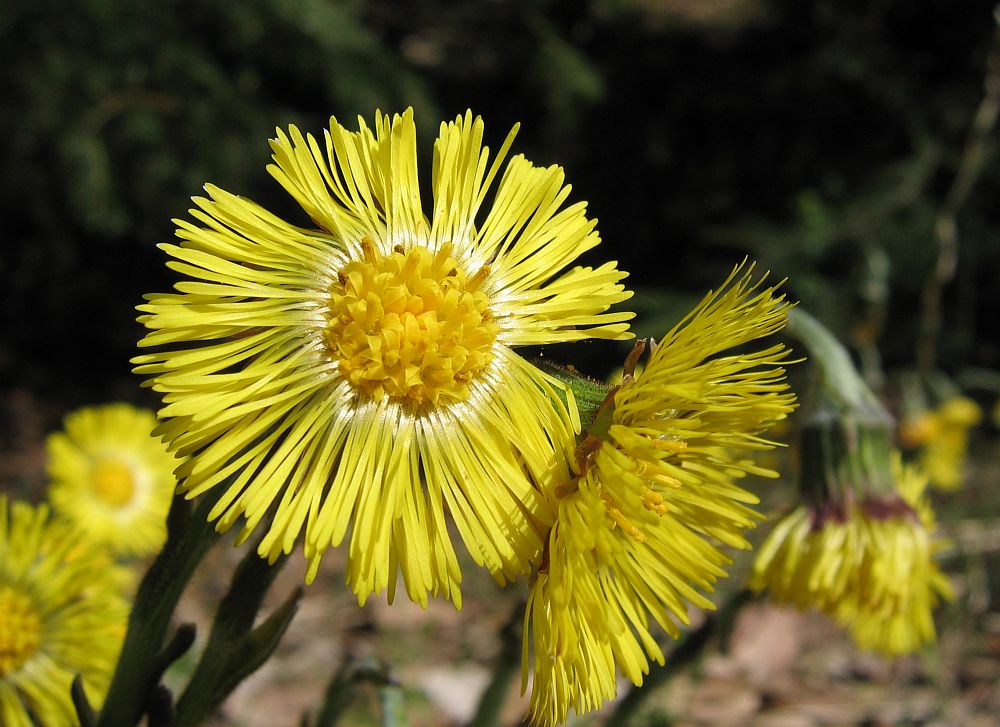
(839, 142)
(823, 138)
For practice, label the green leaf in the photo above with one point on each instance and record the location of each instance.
(235, 649)
(142, 661)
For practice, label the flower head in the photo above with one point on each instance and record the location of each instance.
(935, 418)
(112, 478)
(358, 378)
(61, 614)
(865, 561)
(860, 546)
(943, 454)
(892, 611)
(638, 530)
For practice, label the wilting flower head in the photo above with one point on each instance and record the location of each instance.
(893, 614)
(865, 560)
(359, 376)
(860, 546)
(637, 531)
(61, 614)
(112, 478)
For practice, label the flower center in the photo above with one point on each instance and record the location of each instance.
(20, 629)
(411, 325)
(112, 482)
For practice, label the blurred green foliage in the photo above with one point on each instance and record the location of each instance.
(820, 137)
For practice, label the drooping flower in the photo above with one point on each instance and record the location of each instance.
(638, 530)
(866, 561)
(111, 478)
(61, 614)
(892, 611)
(359, 380)
(860, 545)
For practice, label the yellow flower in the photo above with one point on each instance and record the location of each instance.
(867, 562)
(358, 380)
(61, 614)
(918, 429)
(943, 454)
(637, 533)
(112, 478)
(892, 611)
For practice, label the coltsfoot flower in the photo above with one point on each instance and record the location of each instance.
(358, 379)
(944, 451)
(111, 478)
(61, 614)
(868, 562)
(638, 530)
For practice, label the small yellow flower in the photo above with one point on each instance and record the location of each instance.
(358, 379)
(916, 430)
(638, 529)
(944, 452)
(61, 614)
(960, 411)
(867, 562)
(112, 478)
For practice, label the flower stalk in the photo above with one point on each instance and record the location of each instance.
(688, 649)
(235, 649)
(189, 537)
(507, 665)
(846, 431)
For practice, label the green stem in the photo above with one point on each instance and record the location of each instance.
(392, 703)
(507, 665)
(160, 712)
(690, 646)
(839, 380)
(189, 537)
(846, 431)
(343, 688)
(229, 655)
(340, 691)
(84, 712)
